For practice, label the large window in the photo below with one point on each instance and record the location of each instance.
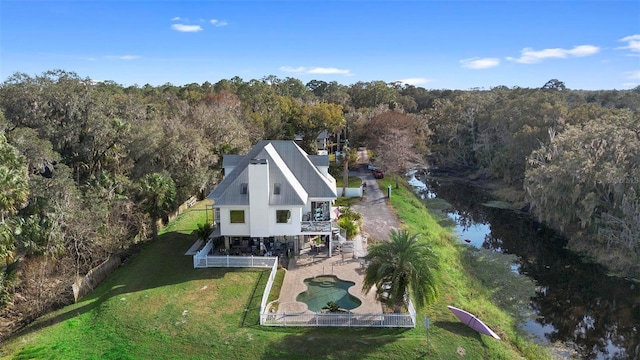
(236, 216)
(283, 216)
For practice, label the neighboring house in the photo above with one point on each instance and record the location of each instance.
(322, 141)
(273, 198)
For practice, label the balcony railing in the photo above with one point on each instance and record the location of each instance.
(315, 226)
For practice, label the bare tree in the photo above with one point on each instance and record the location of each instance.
(398, 140)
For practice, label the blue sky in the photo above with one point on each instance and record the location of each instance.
(587, 44)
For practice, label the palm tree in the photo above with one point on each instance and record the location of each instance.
(403, 264)
(203, 231)
(157, 193)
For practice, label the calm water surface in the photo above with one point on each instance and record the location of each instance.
(576, 303)
(325, 288)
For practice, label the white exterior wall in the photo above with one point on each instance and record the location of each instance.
(259, 190)
(292, 228)
(270, 227)
(350, 192)
(229, 229)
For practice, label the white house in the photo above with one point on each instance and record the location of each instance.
(274, 199)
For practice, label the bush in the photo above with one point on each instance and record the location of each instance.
(348, 226)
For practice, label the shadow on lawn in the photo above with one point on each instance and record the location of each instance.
(458, 328)
(331, 343)
(251, 316)
(156, 263)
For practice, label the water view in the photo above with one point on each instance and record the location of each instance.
(576, 304)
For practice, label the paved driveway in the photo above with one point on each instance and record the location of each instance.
(377, 219)
(377, 216)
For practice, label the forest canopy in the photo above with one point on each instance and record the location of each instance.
(82, 162)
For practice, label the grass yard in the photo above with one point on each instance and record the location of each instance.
(157, 306)
(472, 280)
(353, 182)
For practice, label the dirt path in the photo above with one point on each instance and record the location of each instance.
(377, 216)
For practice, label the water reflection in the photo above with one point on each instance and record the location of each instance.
(576, 303)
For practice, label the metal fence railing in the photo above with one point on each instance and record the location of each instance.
(267, 289)
(338, 320)
(307, 319)
(202, 259)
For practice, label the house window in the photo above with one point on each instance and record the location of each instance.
(236, 216)
(243, 188)
(276, 188)
(283, 216)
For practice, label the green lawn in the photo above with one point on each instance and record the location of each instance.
(353, 182)
(157, 306)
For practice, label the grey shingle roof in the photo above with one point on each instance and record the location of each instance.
(289, 166)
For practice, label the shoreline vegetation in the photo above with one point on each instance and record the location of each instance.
(157, 306)
(508, 197)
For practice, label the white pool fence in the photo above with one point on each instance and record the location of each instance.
(404, 320)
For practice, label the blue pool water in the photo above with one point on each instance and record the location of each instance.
(325, 288)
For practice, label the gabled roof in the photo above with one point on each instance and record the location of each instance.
(231, 160)
(324, 134)
(289, 165)
(319, 160)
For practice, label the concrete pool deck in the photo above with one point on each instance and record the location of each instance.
(302, 268)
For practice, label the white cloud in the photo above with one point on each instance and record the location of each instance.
(633, 43)
(186, 28)
(414, 81)
(479, 63)
(530, 56)
(129, 57)
(123, 57)
(218, 23)
(316, 70)
(630, 85)
(177, 18)
(633, 75)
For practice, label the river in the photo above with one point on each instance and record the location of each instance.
(576, 304)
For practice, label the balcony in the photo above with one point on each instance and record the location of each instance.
(315, 226)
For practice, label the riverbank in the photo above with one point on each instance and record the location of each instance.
(157, 306)
(565, 282)
(581, 241)
(471, 280)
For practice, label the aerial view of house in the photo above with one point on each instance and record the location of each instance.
(273, 200)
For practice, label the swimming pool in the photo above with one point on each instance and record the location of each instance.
(325, 288)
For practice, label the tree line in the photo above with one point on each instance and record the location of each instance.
(86, 168)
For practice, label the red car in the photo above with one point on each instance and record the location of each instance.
(378, 174)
